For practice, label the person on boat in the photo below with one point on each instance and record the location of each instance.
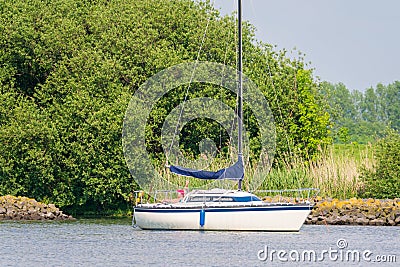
(181, 194)
(184, 191)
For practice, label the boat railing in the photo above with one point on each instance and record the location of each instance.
(142, 197)
(299, 195)
(166, 196)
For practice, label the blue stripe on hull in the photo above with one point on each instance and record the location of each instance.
(241, 209)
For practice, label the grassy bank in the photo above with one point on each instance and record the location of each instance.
(336, 171)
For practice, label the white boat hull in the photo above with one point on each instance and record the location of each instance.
(246, 218)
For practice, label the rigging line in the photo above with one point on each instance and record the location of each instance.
(273, 87)
(277, 102)
(222, 76)
(237, 78)
(190, 82)
(222, 79)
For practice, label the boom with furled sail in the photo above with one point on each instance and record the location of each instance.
(234, 172)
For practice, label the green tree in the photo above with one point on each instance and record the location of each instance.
(383, 181)
(389, 100)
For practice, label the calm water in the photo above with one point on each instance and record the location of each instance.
(117, 243)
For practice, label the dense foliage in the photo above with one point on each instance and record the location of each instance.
(362, 117)
(69, 67)
(383, 181)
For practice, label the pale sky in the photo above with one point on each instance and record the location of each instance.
(356, 42)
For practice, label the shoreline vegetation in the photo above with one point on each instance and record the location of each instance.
(353, 211)
(337, 172)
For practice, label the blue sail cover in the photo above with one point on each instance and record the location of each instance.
(234, 172)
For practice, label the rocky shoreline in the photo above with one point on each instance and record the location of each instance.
(355, 211)
(23, 208)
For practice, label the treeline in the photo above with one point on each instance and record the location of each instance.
(362, 117)
(68, 69)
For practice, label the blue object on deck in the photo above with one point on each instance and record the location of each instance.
(202, 217)
(234, 172)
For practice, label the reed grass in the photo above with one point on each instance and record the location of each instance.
(335, 172)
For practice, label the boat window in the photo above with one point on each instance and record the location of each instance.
(199, 199)
(225, 199)
(247, 199)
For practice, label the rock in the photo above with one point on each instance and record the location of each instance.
(355, 211)
(10, 213)
(357, 214)
(32, 211)
(22, 208)
(362, 221)
(35, 216)
(378, 222)
(325, 212)
(332, 220)
(397, 220)
(18, 205)
(49, 215)
(345, 219)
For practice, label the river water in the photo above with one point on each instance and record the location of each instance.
(114, 242)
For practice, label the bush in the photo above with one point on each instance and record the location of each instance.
(384, 180)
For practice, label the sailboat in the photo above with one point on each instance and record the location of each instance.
(221, 209)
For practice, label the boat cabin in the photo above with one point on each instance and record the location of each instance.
(218, 195)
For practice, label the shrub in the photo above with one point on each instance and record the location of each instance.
(383, 181)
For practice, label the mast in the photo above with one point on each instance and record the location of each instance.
(240, 89)
(235, 171)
